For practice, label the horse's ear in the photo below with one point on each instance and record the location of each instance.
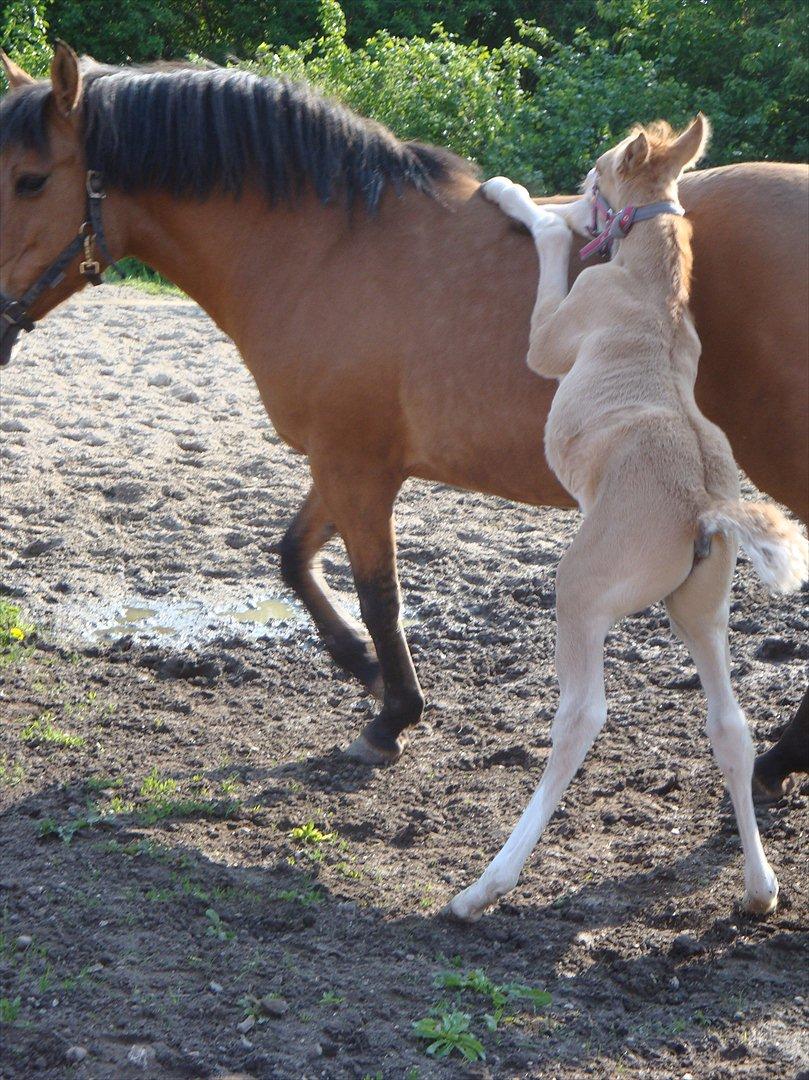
(14, 73)
(634, 156)
(65, 79)
(690, 146)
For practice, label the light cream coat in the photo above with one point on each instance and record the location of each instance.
(655, 479)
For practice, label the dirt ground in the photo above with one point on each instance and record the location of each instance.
(199, 884)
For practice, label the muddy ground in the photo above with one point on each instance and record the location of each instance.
(154, 886)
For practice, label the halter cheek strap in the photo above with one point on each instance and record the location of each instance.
(14, 314)
(617, 223)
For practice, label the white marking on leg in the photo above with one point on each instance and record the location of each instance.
(733, 748)
(581, 715)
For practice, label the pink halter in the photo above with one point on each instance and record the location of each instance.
(617, 223)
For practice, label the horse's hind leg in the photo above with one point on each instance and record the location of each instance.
(360, 502)
(348, 645)
(790, 754)
(699, 614)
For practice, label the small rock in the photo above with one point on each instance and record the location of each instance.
(140, 1056)
(246, 1025)
(215, 987)
(41, 547)
(13, 425)
(686, 945)
(23, 941)
(272, 1006)
(76, 1054)
(674, 982)
(159, 378)
(775, 649)
(195, 446)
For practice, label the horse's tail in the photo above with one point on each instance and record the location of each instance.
(777, 547)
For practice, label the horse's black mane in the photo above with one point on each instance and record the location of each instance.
(192, 132)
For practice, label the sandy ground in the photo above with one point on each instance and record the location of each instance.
(169, 911)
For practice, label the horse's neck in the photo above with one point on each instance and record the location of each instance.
(244, 261)
(227, 253)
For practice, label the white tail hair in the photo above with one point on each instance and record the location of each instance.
(778, 548)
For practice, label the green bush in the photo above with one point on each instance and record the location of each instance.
(533, 100)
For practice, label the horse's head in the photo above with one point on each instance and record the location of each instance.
(43, 194)
(646, 165)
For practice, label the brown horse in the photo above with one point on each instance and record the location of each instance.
(381, 304)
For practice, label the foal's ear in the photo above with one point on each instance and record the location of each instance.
(690, 146)
(14, 73)
(65, 79)
(634, 156)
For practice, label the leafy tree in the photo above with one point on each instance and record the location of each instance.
(24, 35)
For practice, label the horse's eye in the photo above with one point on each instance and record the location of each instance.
(30, 184)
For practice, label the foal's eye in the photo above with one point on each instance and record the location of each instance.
(30, 184)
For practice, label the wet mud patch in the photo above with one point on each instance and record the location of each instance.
(196, 882)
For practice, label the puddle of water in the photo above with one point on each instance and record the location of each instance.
(188, 622)
(263, 613)
(137, 614)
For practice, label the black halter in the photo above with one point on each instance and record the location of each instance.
(14, 315)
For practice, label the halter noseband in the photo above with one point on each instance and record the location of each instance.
(617, 223)
(14, 312)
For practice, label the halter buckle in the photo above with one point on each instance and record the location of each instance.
(89, 266)
(15, 314)
(94, 178)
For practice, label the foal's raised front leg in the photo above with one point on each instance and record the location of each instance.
(347, 644)
(361, 505)
(554, 342)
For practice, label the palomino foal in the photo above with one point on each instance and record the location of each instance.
(655, 479)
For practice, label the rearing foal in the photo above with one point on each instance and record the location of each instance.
(656, 481)
(361, 279)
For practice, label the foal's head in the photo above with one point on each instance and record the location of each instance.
(42, 175)
(646, 165)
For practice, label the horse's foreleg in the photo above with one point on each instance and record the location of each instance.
(348, 645)
(362, 509)
(790, 754)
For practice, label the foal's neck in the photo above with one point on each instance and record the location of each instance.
(658, 253)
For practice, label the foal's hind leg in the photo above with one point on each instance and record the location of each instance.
(616, 565)
(699, 614)
(346, 642)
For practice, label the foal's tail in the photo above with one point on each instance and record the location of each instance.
(777, 547)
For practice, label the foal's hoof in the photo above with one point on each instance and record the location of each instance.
(493, 189)
(465, 907)
(365, 751)
(760, 905)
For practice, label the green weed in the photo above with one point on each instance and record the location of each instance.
(43, 731)
(9, 1009)
(447, 1032)
(14, 633)
(11, 772)
(217, 927)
